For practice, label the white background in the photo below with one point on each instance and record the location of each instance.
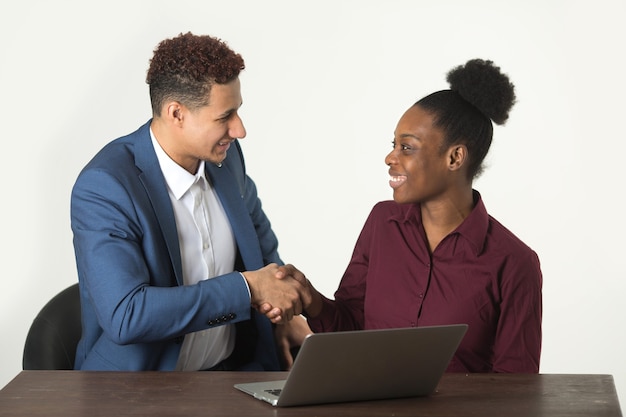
(325, 84)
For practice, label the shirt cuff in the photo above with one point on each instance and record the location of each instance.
(246, 282)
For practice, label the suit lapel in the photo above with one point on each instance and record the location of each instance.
(233, 202)
(227, 190)
(154, 183)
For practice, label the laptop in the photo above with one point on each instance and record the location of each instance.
(363, 365)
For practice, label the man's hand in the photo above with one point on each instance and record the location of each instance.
(277, 291)
(273, 312)
(311, 299)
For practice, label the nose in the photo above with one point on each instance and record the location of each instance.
(391, 158)
(236, 128)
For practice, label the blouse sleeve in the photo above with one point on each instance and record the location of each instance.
(517, 346)
(346, 312)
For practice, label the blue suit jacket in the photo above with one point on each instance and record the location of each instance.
(135, 308)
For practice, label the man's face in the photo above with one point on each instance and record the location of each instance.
(207, 132)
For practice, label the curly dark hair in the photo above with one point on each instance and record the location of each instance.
(185, 67)
(479, 94)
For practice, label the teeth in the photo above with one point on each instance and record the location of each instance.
(397, 179)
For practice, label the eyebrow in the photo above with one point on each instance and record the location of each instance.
(409, 136)
(229, 111)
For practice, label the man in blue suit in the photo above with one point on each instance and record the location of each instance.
(173, 249)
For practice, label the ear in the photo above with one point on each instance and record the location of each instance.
(457, 155)
(174, 112)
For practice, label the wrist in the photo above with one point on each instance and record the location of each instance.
(314, 307)
(248, 277)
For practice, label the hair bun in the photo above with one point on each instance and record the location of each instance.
(482, 84)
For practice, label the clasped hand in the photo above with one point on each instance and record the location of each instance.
(278, 292)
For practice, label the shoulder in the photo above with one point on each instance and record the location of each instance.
(121, 152)
(389, 210)
(115, 165)
(390, 207)
(498, 239)
(505, 238)
(521, 261)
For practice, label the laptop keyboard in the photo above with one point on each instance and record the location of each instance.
(275, 391)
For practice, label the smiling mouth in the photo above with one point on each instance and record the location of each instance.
(396, 181)
(223, 146)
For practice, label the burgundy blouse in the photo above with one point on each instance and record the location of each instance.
(480, 274)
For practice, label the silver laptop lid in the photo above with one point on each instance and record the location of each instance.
(368, 365)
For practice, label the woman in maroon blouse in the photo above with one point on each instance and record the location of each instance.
(434, 255)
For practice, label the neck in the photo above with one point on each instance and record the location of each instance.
(446, 214)
(167, 140)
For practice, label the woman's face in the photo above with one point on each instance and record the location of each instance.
(418, 166)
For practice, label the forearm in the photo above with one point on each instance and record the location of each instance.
(335, 315)
(148, 313)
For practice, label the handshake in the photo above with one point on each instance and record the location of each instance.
(279, 292)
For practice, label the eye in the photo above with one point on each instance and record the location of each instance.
(226, 117)
(403, 147)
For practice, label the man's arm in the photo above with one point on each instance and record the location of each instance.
(124, 264)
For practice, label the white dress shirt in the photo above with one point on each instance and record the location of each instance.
(208, 249)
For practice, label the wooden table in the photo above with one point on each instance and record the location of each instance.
(77, 393)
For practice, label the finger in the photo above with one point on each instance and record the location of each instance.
(273, 313)
(287, 355)
(296, 274)
(299, 276)
(297, 308)
(289, 269)
(264, 308)
(281, 272)
(288, 314)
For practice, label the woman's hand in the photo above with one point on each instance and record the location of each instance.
(288, 336)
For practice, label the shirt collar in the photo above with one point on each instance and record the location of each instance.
(474, 228)
(178, 179)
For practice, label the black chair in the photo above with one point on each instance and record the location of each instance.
(55, 332)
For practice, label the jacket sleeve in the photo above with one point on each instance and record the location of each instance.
(125, 269)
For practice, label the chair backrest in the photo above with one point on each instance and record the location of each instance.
(55, 332)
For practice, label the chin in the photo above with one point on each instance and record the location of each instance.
(398, 199)
(216, 159)
(401, 199)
